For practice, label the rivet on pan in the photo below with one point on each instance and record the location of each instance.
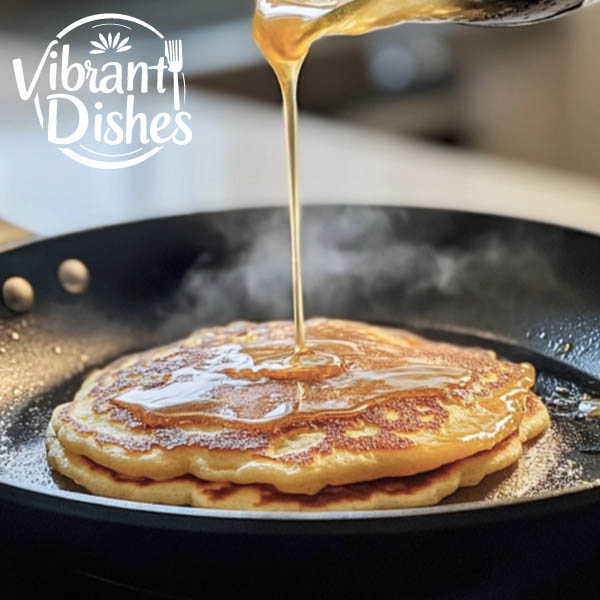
(73, 275)
(17, 294)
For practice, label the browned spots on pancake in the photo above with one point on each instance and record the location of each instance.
(363, 491)
(64, 415)
(532, 404)
(218, 492)
(410, 419)
(170, 438)
(114, 475)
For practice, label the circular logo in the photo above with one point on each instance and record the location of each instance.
(116, 89)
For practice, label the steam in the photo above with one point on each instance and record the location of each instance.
(368, 263)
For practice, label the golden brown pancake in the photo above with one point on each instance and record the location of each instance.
(223, 406)
(404, 492)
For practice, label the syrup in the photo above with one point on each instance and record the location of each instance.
(264, 381)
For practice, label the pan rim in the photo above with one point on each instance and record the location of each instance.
(581, 491)
(548, 220)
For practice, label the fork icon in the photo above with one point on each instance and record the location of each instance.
(174, 55)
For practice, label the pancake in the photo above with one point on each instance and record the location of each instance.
(227, 405)
(405, 492)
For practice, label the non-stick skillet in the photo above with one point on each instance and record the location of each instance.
(528, 290)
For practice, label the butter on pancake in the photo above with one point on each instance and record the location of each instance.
(217, 406)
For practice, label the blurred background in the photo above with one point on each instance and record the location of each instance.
(416, 114)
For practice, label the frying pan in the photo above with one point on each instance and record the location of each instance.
(530, 291)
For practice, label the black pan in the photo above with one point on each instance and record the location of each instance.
(528, 290)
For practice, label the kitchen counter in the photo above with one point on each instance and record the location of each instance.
(237, 159)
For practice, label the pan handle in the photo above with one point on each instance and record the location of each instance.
(11, 233)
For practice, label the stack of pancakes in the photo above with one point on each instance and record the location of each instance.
(394, 421)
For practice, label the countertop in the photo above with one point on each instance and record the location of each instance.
(237, 159)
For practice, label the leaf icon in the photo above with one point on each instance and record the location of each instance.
(112, 43)
(122, 46)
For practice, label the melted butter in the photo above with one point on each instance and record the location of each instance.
(262, 382)
(317, 359)
(513, 400)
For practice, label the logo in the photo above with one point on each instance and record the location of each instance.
(99, 101)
